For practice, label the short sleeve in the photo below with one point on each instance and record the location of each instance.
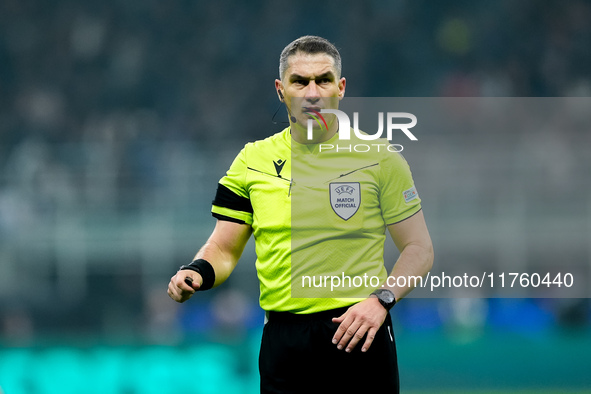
(399, 198)
(232, 200)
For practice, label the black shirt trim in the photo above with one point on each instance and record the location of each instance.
(227, 218)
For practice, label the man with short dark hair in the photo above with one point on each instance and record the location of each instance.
(314, 212)
(310, 45)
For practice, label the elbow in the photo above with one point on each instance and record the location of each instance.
(429, 257)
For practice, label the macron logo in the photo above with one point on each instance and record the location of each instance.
(279, 166)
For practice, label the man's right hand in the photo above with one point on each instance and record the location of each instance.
(179, 290)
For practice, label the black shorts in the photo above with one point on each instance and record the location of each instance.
(297, 356)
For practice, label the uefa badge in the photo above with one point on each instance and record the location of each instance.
(345, 198)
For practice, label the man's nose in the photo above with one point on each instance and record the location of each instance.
(312, 94)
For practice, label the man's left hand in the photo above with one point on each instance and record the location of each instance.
(365, 317)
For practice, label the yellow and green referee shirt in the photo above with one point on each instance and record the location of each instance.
(319, 214)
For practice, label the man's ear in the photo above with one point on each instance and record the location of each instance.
(279, 88)
(342, 84)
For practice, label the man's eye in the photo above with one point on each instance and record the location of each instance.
(325, 80)
(299, 82)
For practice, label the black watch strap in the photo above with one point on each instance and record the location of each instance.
(386, 298)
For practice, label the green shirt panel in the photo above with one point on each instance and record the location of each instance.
(298, 219)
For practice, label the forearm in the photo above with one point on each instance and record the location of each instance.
(415, 261)
(223, 263)
(224, 248)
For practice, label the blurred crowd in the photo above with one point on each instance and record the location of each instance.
(77, 70)
(114, 112)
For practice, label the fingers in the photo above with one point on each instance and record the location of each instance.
(192, 284)
(176, 293)
(349, 335)
(339, 319)
(371, 334)
(341, 330)
(355, 324)
(182, 286)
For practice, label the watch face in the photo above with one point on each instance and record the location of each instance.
(387, 296)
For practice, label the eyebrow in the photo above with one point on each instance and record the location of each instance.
(328, 74)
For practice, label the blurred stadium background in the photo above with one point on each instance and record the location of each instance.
(117, 118)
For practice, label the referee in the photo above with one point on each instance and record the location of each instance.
(315, 215)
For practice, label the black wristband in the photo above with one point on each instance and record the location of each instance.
(203, 268)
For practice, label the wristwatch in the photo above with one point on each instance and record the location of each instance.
(385, 297)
